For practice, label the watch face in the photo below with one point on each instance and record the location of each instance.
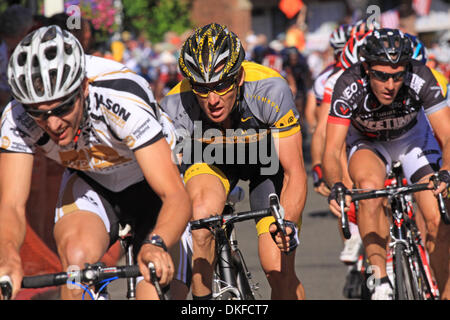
(158, 241)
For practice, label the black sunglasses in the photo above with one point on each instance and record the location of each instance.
(384, 76)
(58, 111)
(221, 88)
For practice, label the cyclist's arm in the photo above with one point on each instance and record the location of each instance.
(318, 137)
(334, 141)
(439, 121)
(164, 178)
(15, 182)
(331, 163)
(310, 111)
(293, 194)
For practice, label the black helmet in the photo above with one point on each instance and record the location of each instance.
(215, 44)
(387, 45)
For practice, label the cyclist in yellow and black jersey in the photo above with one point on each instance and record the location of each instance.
(99, 120)
(231, 112)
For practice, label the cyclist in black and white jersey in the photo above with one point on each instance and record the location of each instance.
(100, 120)
(377, 110)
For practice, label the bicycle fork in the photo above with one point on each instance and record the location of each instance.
(226, 269)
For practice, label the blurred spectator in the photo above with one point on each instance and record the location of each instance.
(168, 75)
(15, 22)
(295, 65)
(84, 34)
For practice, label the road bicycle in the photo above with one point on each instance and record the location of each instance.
(412, 273)
(232, 280)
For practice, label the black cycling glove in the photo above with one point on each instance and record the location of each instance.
(444, 176)
(317, 175)
(293, 236)
(334, 191)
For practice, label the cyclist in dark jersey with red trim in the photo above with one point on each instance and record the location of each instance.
(378, 108)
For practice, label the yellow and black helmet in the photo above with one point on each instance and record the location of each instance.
(207, 48)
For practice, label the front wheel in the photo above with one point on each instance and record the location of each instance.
(243, 283)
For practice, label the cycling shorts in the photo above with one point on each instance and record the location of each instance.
(138, 205)
(417, 150)
(260, 186)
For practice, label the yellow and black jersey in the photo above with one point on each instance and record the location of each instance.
(265, 107)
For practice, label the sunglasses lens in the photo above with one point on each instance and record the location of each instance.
(64, 109)
(58, 111)
(200, 89)
(383, 76)
(224, 87)
(221, 89)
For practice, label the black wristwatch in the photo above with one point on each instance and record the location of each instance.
(155, 240)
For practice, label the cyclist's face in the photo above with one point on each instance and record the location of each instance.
(218, 106)
(64, 120)
(385, 81)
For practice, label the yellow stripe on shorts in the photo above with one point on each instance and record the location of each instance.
(204, 168)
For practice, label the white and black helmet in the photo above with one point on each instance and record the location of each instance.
(46, 65)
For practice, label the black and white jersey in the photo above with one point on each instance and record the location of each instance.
(121, 116)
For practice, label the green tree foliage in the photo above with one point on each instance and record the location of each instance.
(156, 17)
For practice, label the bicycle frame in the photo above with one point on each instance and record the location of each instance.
(405, 236)
(227, 251)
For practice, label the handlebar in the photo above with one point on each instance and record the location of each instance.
(6, 287)
(228, 219)
(92, 273)
(442, 208)
(392, 191)
(155, 282)
(344, 217)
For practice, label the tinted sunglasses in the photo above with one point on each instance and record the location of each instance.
(384, 76)
(220, 89)
(58, 111)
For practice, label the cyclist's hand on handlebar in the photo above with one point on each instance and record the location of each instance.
(162, 261)
(443, 183)
(333, 202)
(11, 266)
(286, 243)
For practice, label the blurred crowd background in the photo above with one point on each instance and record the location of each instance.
(290, 36)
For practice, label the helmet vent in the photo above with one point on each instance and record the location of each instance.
(22, 59)
(27, 40)
(23, 84)
(68, 48)
(35, 62)
(53, 73)
(65, 74)
(37, 84)
(50, 53)
(49, 35)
